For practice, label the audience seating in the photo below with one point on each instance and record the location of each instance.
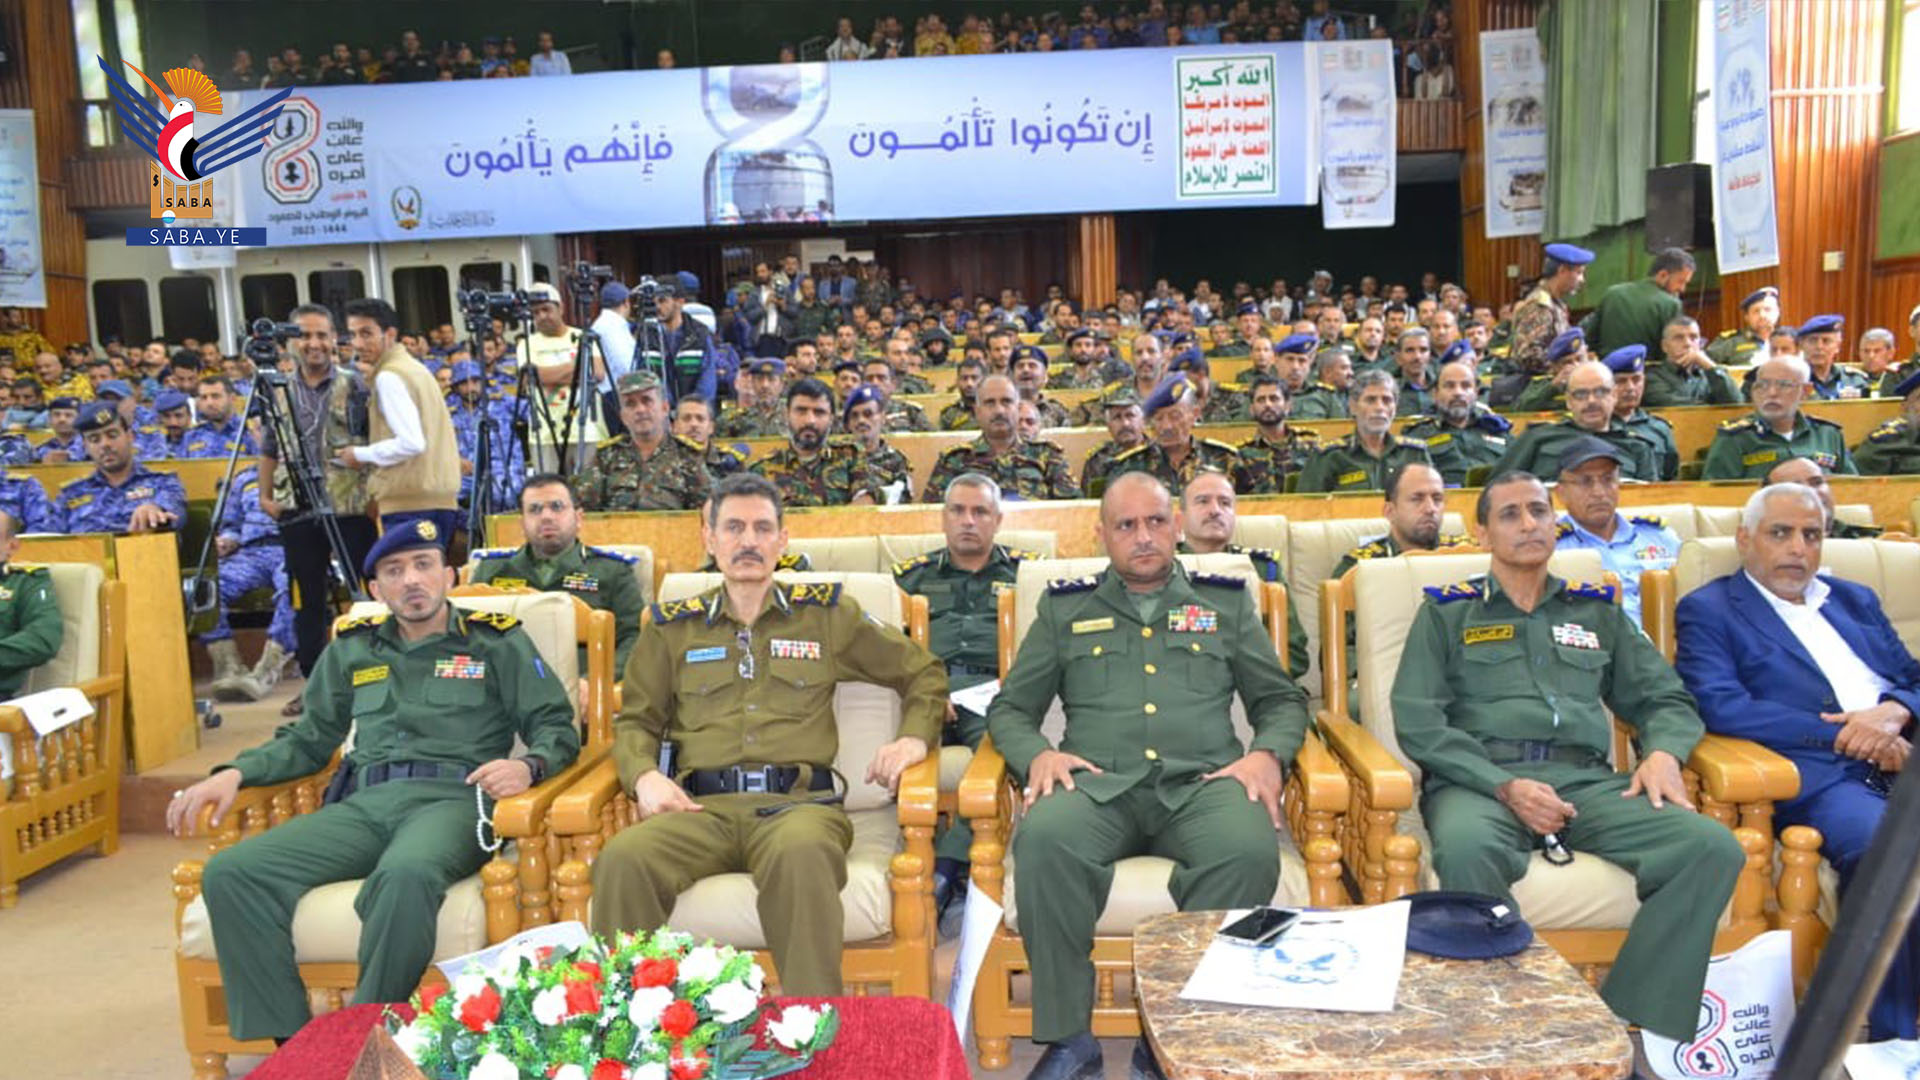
(905, 546)
(64, 795)
(506, 896)
(888, 898)
(643, 571)
(1309, 868)
(1583, 909)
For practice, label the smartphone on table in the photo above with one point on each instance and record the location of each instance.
(1261, 926)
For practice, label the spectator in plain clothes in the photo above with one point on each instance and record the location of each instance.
(547, 60)
(664, 60)
(1436, 80)
(845, 46)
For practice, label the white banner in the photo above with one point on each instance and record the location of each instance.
(1513, 120)
(1358, 120)
(23, 281)
(1746, 235)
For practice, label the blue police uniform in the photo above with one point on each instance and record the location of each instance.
(1641, 542)
(207, 440)
(509, 464)
(26, 500)
(15, 450)
(91, 504)
(149, 442)
(74, 445)
(259, 562)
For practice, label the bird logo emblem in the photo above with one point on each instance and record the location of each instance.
(182, 154)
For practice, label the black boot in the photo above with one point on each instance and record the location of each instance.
(1074, 1058)
(1145, 1066)
(949, 896)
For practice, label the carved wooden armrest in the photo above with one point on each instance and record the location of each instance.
(1739, 771)
(1385, 784)
(919, 794)
(981, 785)
(526, 814)
(1322, 785)
(261, 807)
(578, 809)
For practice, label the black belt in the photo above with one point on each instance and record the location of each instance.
(1516, 751)
(756, 779)
(409, 770)
(955, 667)
(262, 541)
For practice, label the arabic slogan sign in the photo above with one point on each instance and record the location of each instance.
(1358, 122)
(1124, 129)
(23, 281)
(1513, 118)
(1746, 1011)
(1745, 235)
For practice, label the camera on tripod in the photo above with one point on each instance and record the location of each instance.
(584, 282)
(479, 308)
(264, 340)
(646, 299)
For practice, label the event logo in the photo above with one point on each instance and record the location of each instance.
(406, 206)
(183, 160)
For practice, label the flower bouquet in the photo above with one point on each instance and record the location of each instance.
(645, 1007)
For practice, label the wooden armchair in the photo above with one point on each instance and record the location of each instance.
(1582, 909)
(888, 897)
(511, 892)
(1316, 794)
(64, 796)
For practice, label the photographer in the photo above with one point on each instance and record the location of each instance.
(617, 345)
(553, 349)
(412, 451)
(685, 355)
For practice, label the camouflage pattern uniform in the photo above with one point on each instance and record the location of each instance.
(1031, 470)
(1266, 465)
(1077, 377)
(906, 416)
(1209, 455)
(1539, 319)
(957, 416)
(834, 477)
(887, 465)
(618, 478)
(723, 459)
(752, 423)
(1225, 406)
(1098, 468)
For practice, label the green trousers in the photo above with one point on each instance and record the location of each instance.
(410, 840)
(1225, 853)
(955, 839)
(1684, 867)
(798, 859)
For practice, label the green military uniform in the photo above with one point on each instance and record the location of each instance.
(1841, 379)
(1456, 451)
(1146, 680)
(1734, 347)
(1029, 470)
(1630, 313)
(1487, 693)
(1225, 406)
(1412, 400)
(1089, 412)
(956, 415)
(910, 383)
(602, 578)
(757, 422)
(1266, 465)
(1086, 376)
(1538, 449)
(1098, 468)
(1232, 350)
(1892, 450)
(1385, 547)
(440, 708)
(732, 693)
(1668, 385)
(1345, 465)
(1747, 448)
(620, 477)
(1890, 379)
(887, 465)
(834, 476)
(1052, 413)
(1847, 530)
(1203, 455)
(1541, 394)
(723, 459)
(1657, 432)
(1320, 402)
(1266, 563)
(30, 627)
(1382, 361)
(906, 416)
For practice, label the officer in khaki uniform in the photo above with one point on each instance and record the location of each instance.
(740, 682)
(435, 697)
(1145, 659)
(1499, 700)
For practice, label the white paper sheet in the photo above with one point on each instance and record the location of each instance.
(1337, 961)
(976, 933)
(47, 712)
(561, 935)
(976, 698)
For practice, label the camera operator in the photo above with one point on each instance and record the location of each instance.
(553, 348)
(412, 449)
(616, 343)
(686, 355)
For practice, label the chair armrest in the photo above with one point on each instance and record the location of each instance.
(13, 721)
(919, 796)
(524, 814)
(577, 810)
(1322, 784)
(1741, 771)
(980, 785)
(254, 808)
(1385, 782)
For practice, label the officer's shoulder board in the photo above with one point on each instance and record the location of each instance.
(498, 621)
(689, 444)
(1065, 586)
(359, 624)
(1740, 423)
(1410, 444)
(793, 560)
(1371, 548)
(1563, 530)
(1218, 445)
(1448, 540)
(1220, 581)
(609, 553)
(908, 565)
(494, 553)
(1592, 590)
(1820, 421)
(1459, 590)
(675, 610)
(28, 568)
(1133, 452)
(1891, 431)
(820, 595)
(1022, 555)
(1725, 334)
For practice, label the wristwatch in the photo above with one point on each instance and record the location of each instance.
(537, 766)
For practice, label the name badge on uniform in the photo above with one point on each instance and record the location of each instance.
(580, 583)
(1193, 619)
(508, 583)
(369, 675)
(459, 667)
(784, 649)
(1575, 636)
(1351, 478)
(1093, 626)
(701, 656)
(1760, 457)
(141, 492)
(1474, 635)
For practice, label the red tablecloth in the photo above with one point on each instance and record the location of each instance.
(879, 1036)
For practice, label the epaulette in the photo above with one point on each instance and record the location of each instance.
(29, 567)
(493, 553)
(675, 610)
(1654, 520)
(1459, 590)
(821, 595)
(498, 620)
(1739, 423)
(1375, 548)
(1725, 334)
(918, 561)
(690, 444)
(793, 560)
(363, 622)
(1063, 586)
(1218, 445)
(608, 553)
(1448, 540)
(1563, 530)
(1591, 590)
(1323, 386)
(1820, 420)
(1125, 454)
(604, 443)
(1890, 431)
(1022, 555)
(1223, 581)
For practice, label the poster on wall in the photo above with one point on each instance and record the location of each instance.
(1359, 117)
(1513, 118)
(23, 281)
(1746, 233)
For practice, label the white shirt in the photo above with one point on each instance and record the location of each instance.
(403, 419)
(1855, 685)
(849, 48)
(616, 342)
(542, 64)
(700, 313)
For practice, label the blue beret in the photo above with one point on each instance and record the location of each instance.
(687, 284)
(95, 415)
(613, 294)
(1627, 360)
(168, 400)
(1822, 324)
(862, 394)
(1762, 293)
(767, 365)
(1297, 343)
(1570, 254)
(117, 387)
(1189, 359)
(1565, 342)
(411, 536)
(64, 401)
(1908, 385)
(1027, 352)
(467, 369)
(1173, 388)
(1248, 307)
(1459, 350)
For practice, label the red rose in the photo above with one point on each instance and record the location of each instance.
(692, 1068)
(588, 968)
(583, 997)
(609, 1069)
(652, 972)
(431, 994)
(481, 1010)
(678, 1019)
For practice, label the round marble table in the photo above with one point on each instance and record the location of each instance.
(1523, 1017)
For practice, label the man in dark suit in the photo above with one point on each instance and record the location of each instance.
(1809, 666)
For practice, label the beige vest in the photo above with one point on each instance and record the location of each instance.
(429, 480)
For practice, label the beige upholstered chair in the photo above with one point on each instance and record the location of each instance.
(888, 898)
(506, 896)
(1582, 909)
(1309, 858)
(1723, 520)
(905, 546)
(64, 795)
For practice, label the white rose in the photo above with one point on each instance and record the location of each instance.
(412, 1041)
(756, 979)
(731, 1001)
(702, 965)
(468, 985)
(652, 1070)
(495, 1066)
(647, 1005)
(570, 1072)
(796, 1026)
(550, 1005)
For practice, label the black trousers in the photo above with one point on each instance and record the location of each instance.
(307, 568)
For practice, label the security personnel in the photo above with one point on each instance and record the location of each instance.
(1808, 473)
(899, 413)
(121, 495)
(554, 560)
(693, 422)
(1327, 397)
(740, 681)
(26, 501)
(1632, 312)
(957, 415)
(1894, 447)
(1126, 429)
(1499, 701)
(175, 413)
(1459, 432)
(1083, 349)
(474, 417)
(1362, 460)
(1207, 517)
(1216, 404)
(435, 697)
(1542, 316)
(648, 468)
(1024, 469)
(865, 420)
(149, 442)
(1629, 544)
(1145, 659)
(30, 626)
(1629, 367)
(1681, 374)
(1277, 449)
(1747, 447)
(809, 470)
(1590, 398)
(1746, 346)
(251, 557)
(219, 429)
(1029, 371)
(1173, 455)
(1820, 347)
(65, 445)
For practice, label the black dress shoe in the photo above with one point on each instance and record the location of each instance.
(1145, 1066)
(1076, 1058)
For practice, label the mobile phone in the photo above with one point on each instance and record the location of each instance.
(1260, 926)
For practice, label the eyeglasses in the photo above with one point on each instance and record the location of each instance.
(1770, 386)
(744, 639)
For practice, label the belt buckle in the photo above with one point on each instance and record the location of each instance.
(754, 781)
(1539, 751)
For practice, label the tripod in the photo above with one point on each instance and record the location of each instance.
(273, 394)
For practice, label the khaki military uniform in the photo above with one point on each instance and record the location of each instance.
(1747, 448)
(1266, 465)
(601, 578)
(1320, 402)
(1893, 449)
(30, 627)
(1538, 450)
(1345, 465)
(1030, 470)
(833, 477)
(731, 693)
(1203, 455)
(1456, 451)
(620, 478)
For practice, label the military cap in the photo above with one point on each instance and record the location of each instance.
(1464, 926)
(466, 369)
(116, 387)
(541, 292)
(1627, 360)
(94, 416)
(168, 400)
(1078, 333)
(1908, 385)
(1028, 352)
(1822, 324)
(1565, 342)
(64, 401)
(1570, 254)
(845, 365)
(687, 283)
(1297, 343)
(1190, 360)
(1762, 293)
(1248, 307)
(767, 365)
(1459, 350)
(412, 536)
(1172, 389)
(433, 366)
(636, 382)
(938, 333)
(1120, 397)
(861, 395)
(1589, 448)
(613, 294)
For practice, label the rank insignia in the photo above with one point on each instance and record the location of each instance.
(1193, 619)
(580, 583)
(508, 583)
(787, 649)
(369, 675)
(1575, 636)
(459, 667)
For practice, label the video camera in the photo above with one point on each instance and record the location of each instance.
(584, 282)
(645, 298)
(479, 308)
(264, 340)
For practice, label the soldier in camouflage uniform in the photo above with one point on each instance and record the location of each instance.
(1083, 349)
(1126, 429)
(1277, 449)
(693, 422)
(648, 468)
(763, 416)
(1149, 367)
(809, 471)
(1030, 378)
(1023, 469)
(1174, 456)
(899, 414)
(887, 467)
(958, 415)
(1363, 460)
(1217, 404)
(1207, 517)
(1542, 316)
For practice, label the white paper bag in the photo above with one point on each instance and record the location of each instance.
(1745, 1013)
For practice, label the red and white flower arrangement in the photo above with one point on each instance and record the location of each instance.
(649, 1007)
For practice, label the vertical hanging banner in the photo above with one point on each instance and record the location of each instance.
(23, 281)
(1513, 119)
(1746, 233)
(1359, 118)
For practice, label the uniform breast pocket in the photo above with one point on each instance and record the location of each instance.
(1497, 669)
(1205, 658)
(1091, 663)
(1582, 671)
(458, 693)
(805, 686)
(702, 683)
(372, 698)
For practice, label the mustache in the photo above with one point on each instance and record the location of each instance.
(748, 556)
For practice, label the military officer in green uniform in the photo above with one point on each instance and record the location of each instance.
(554, 560)
(1207, 517)
(763, 416)
(1024, 468)
(435, 697)
(1327, 397)
(1416, 504)
(1894, 447)
(957, 415)
(1777, 429)
(1216, 404)
(1030, 379)
(1829, 379)
(1807, 472)
(1633, 312)
(1547, 390)
(1684, 375)
(1499, 700)
(1277, 449)
(1460, 433)
(648, 468)
(1145, 659)
(30, 627)
(1413, 361)
(1083, 350)
(1363, 460)
(1174, 455)
(1126, 429)
(739, 684)
(1746, 345)
(1590, 398)
(809, 470)
(887, 468)
(1628, 364)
